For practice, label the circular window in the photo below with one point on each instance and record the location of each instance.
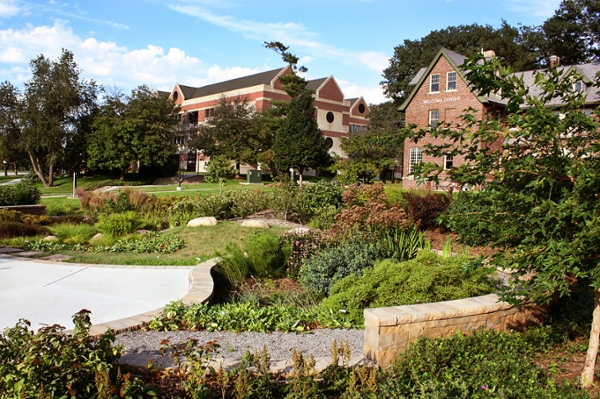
(361, 108)
(175, 95)
(328, 142)
(330, 117)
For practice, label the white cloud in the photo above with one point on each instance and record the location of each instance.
(10, 8)
(292, 34)
(372, 93)
(107, 62)
(537, 8)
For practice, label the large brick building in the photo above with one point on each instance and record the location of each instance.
(336, 115)
(441, 94)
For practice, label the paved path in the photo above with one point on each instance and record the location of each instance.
(50, 292)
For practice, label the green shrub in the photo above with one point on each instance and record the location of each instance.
(54, 364)
(484, 364)
(7, 215)
(302, 247)
(427, 278)
(16, 229)
(316, 197)
(118, 224)
(322, 219)
(399, 244)
(261, 256)
(322, 271)
(152, 242)
(23, 193)
(73, 233)
(245, 202)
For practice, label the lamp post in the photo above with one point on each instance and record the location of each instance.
(5, 175)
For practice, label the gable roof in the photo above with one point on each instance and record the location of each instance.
(315, 84)
(455, 61)
(230, 85)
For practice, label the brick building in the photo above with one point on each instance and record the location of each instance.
(336, 115)
(441, 94)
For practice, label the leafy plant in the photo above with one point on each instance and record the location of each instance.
(427, 278)
(23, 193)
(425, 209)
(16, 229)
(118, 224)
(71, 234)
(322, 271)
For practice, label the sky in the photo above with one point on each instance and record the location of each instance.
(127, 43)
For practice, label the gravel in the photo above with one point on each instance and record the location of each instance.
(234, 345)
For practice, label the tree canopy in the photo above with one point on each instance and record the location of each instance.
(132, 128)
(235, 131)
(540, 205)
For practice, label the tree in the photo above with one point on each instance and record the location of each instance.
(235, 131)
(55, 115)
(300, 143)
(292, 84)
(131, 129)
(10, 108)
(516, 47)
(219, 170)
(540, 204)
(573, 33)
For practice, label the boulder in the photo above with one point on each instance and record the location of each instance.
(299, 231)
(255, 223)
(96, 238)
(204, 221)
(50, 238)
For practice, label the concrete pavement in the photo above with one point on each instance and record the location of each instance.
(51, 292)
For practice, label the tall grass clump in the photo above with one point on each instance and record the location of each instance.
(71, 234)
(118, 224)
(260, 256)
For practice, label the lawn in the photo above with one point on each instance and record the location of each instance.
(200, 245)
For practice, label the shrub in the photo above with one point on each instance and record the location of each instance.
(73, 233)
(427, 278)
(118, 224)
(302, 246)
(150, 243)
(246, 202)
(424, 210)
(323, 270)
(40, 220)
(261, 256)
(16, 229)
(484, 364)
(314, 198)
(23, 193)
(7, 215)
(53, 364)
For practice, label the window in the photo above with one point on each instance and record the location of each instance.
(448, 162)
(451, 81)
(578, 86)
(434, 85)
(330, 117)
(208, 112)
(434, 117)
(416, 156)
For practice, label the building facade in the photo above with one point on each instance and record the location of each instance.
(336, 115)
(441, 94)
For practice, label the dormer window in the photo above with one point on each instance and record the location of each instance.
(434, 83)
(578, 86)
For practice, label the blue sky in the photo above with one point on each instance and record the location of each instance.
(126, 43)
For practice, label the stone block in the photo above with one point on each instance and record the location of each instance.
(255, 223)
(203, 221)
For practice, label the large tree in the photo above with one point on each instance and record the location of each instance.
(376, 150)
(300, 143)
(10, 130)
(235, 131)
(55, 115)
(540, 205)
(516, 47)
(573, 33)
(139, 127)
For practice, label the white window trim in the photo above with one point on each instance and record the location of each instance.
(438, 117)
(431, 83)
(418, 153)
(445, 159)
(455, 80)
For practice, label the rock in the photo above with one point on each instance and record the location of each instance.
(143, 232)
(255, 223)
(204, 221)
(50, 238)
(299, 231)
(96, 238)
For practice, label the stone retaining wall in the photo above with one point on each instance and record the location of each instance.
(388, 331)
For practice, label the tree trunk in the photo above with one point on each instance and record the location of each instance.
(37, 169)
(587, 376)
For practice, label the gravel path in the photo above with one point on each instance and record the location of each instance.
(234, 345)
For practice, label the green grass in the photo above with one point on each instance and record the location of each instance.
(200, 245)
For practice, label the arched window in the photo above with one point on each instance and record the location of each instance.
(416, 156)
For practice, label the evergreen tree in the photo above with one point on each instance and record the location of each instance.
(300, 143)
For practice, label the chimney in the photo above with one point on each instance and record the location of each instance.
(554, 61)
(488, 54)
